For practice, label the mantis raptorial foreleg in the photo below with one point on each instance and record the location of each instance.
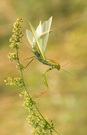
(45, 80)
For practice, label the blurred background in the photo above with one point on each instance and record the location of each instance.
(66, 101)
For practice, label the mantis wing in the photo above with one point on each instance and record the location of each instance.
(30, 37)
(43, 32)
(39, 38)
(37, 41)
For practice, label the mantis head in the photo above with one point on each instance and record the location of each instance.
(57, 66)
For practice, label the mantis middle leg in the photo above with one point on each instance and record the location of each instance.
(32, 58)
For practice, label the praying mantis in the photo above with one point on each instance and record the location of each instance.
(38, 40)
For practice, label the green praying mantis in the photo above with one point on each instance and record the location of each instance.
(38, 40)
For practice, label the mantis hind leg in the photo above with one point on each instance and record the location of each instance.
(45, 80)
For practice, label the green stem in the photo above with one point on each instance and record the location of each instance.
(46, 120)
